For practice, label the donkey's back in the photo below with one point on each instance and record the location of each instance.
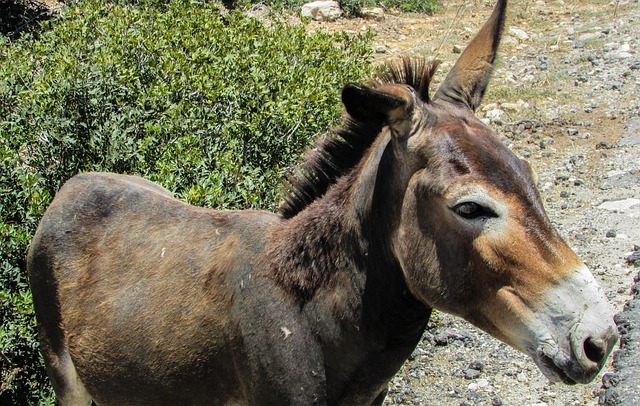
(159, 329)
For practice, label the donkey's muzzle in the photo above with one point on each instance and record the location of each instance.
(590, 353)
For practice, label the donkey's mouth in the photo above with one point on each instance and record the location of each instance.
(553, 371)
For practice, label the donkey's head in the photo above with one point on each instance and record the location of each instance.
(471, 235)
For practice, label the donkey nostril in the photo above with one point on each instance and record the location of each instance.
(594, 350)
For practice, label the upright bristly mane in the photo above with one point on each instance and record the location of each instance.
(335, 154)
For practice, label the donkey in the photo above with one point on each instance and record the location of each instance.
(412, 205)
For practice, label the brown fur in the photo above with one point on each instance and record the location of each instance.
(144, 300)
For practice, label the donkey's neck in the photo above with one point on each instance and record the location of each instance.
(340, 247)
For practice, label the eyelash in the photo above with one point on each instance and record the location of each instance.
(473, 210)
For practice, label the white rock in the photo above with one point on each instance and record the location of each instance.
(614, 174)
(588, 36)
(322, 10)
(519, 33)
(624, 48)
(373, 12)
(617, 55)
(513, 107)
(380, 49)
(494, 114)
(490, 106)
(619, 205)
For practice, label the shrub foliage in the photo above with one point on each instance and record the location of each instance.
(211, 105)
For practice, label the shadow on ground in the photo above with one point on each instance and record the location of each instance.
(18, 17)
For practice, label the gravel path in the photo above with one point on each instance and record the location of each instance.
(566, 97)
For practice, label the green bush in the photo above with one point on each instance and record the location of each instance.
(420, 6)
(352, 8)
(211, 106)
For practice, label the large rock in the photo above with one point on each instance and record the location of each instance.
(322, 10)
(376, 13)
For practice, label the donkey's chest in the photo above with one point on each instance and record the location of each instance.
(360, 358)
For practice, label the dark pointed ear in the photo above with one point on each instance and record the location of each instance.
(468, 79)
(388, 104)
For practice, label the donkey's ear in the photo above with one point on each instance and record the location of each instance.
(388, 104)
(468, 79)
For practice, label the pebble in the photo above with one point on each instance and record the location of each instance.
(471, 373)
(588, 36)
(633, 259)
(494, 114)
(380, 49)
(518, 33)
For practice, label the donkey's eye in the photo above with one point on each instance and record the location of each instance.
(472, 210)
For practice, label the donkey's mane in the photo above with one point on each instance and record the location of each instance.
(334, 155)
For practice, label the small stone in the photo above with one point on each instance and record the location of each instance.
(519, 33)
(441, 339)
(471, 373)
(588, 36)
(610, 380)
(633, 259)
(604, 145)
(457, 49)
(478, 365)
(494, 114)
(624, 48)
(513, 107)
(611, 233)
(380, 49)
(564, 194)
(572, 131)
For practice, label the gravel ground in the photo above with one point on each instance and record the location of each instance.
(565, 95)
